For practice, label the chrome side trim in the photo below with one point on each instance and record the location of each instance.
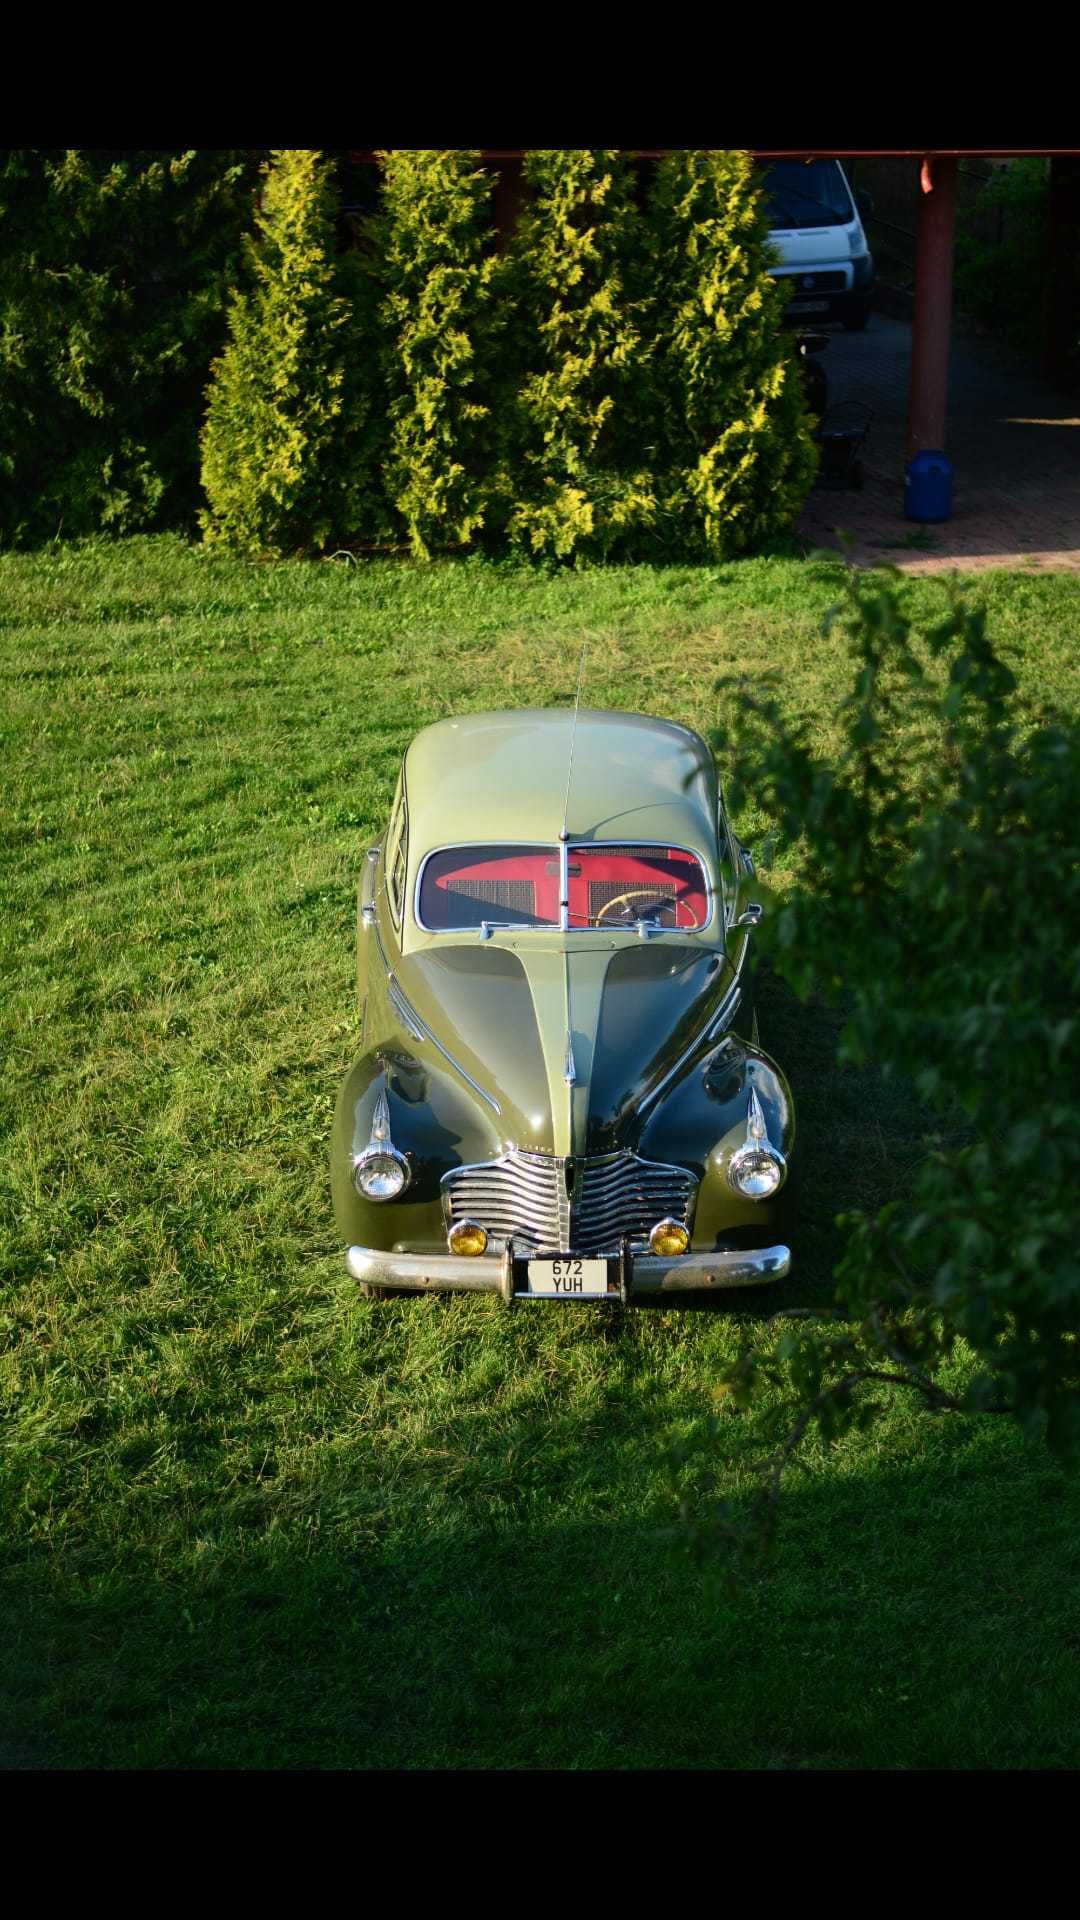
(722, 1018)
(419, 1030)
(458, 1068)
(404, 1012)
(367, 886)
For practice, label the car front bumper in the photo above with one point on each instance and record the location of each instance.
(634, 1274)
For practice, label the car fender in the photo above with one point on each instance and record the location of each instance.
(433, 1121)
(701, 1122)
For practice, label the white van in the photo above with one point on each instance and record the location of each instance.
(818, 235)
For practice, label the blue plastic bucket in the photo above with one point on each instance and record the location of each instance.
(928, 487)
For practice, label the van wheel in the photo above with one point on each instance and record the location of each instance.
(856, 317)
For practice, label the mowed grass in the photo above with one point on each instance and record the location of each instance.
(250, 1519)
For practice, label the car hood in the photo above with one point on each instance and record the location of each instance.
(571, 1043)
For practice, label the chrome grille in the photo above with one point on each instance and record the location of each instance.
(622, 1196)
(615, 1196)
(523, 1194)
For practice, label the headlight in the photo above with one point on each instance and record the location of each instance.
(757, 1168)
(755, 1172)
(381, 1174)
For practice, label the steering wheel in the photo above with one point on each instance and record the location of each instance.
(625, 902)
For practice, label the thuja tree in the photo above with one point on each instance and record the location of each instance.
(941, 904)
(441, 324)
(580, 484)
(725, 407)
(290, 442)
(114, 277)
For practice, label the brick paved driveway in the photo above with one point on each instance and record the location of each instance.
(1014, 444)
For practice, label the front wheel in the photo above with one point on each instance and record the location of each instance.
(856, 316)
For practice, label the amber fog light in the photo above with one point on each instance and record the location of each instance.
(467, 1237)
(669, 1237)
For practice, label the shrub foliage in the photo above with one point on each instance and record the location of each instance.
(725, 405)
(944, 903)
(613, 382)
(288, 423)
(114, 276)
(442, 329)
(577, 486)
(998, 274)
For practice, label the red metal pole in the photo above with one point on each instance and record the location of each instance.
(928, 388)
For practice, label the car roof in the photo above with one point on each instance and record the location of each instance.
(484, 777)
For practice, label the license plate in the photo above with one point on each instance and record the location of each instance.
(808, 306)
(568, 1279)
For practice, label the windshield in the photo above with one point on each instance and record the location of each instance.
(609, 886)
(801, 193)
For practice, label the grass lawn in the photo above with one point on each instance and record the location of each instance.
(249, 1519)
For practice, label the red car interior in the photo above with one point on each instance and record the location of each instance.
(609, 887)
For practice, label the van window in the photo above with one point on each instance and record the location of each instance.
(800, 193)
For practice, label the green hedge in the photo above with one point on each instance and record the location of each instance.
(443, 324)
(613, 381)
(289, 442)
(725, 407)
(114, 278)
(999, 280)
(583, 360)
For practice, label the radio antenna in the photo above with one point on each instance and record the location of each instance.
(573, 736)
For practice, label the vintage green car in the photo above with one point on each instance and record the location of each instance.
(561, 1093)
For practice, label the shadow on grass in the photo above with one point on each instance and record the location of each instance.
(858, 1141)
(911, 1618)
(503, 1591)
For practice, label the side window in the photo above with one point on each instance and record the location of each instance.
(396, 852)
